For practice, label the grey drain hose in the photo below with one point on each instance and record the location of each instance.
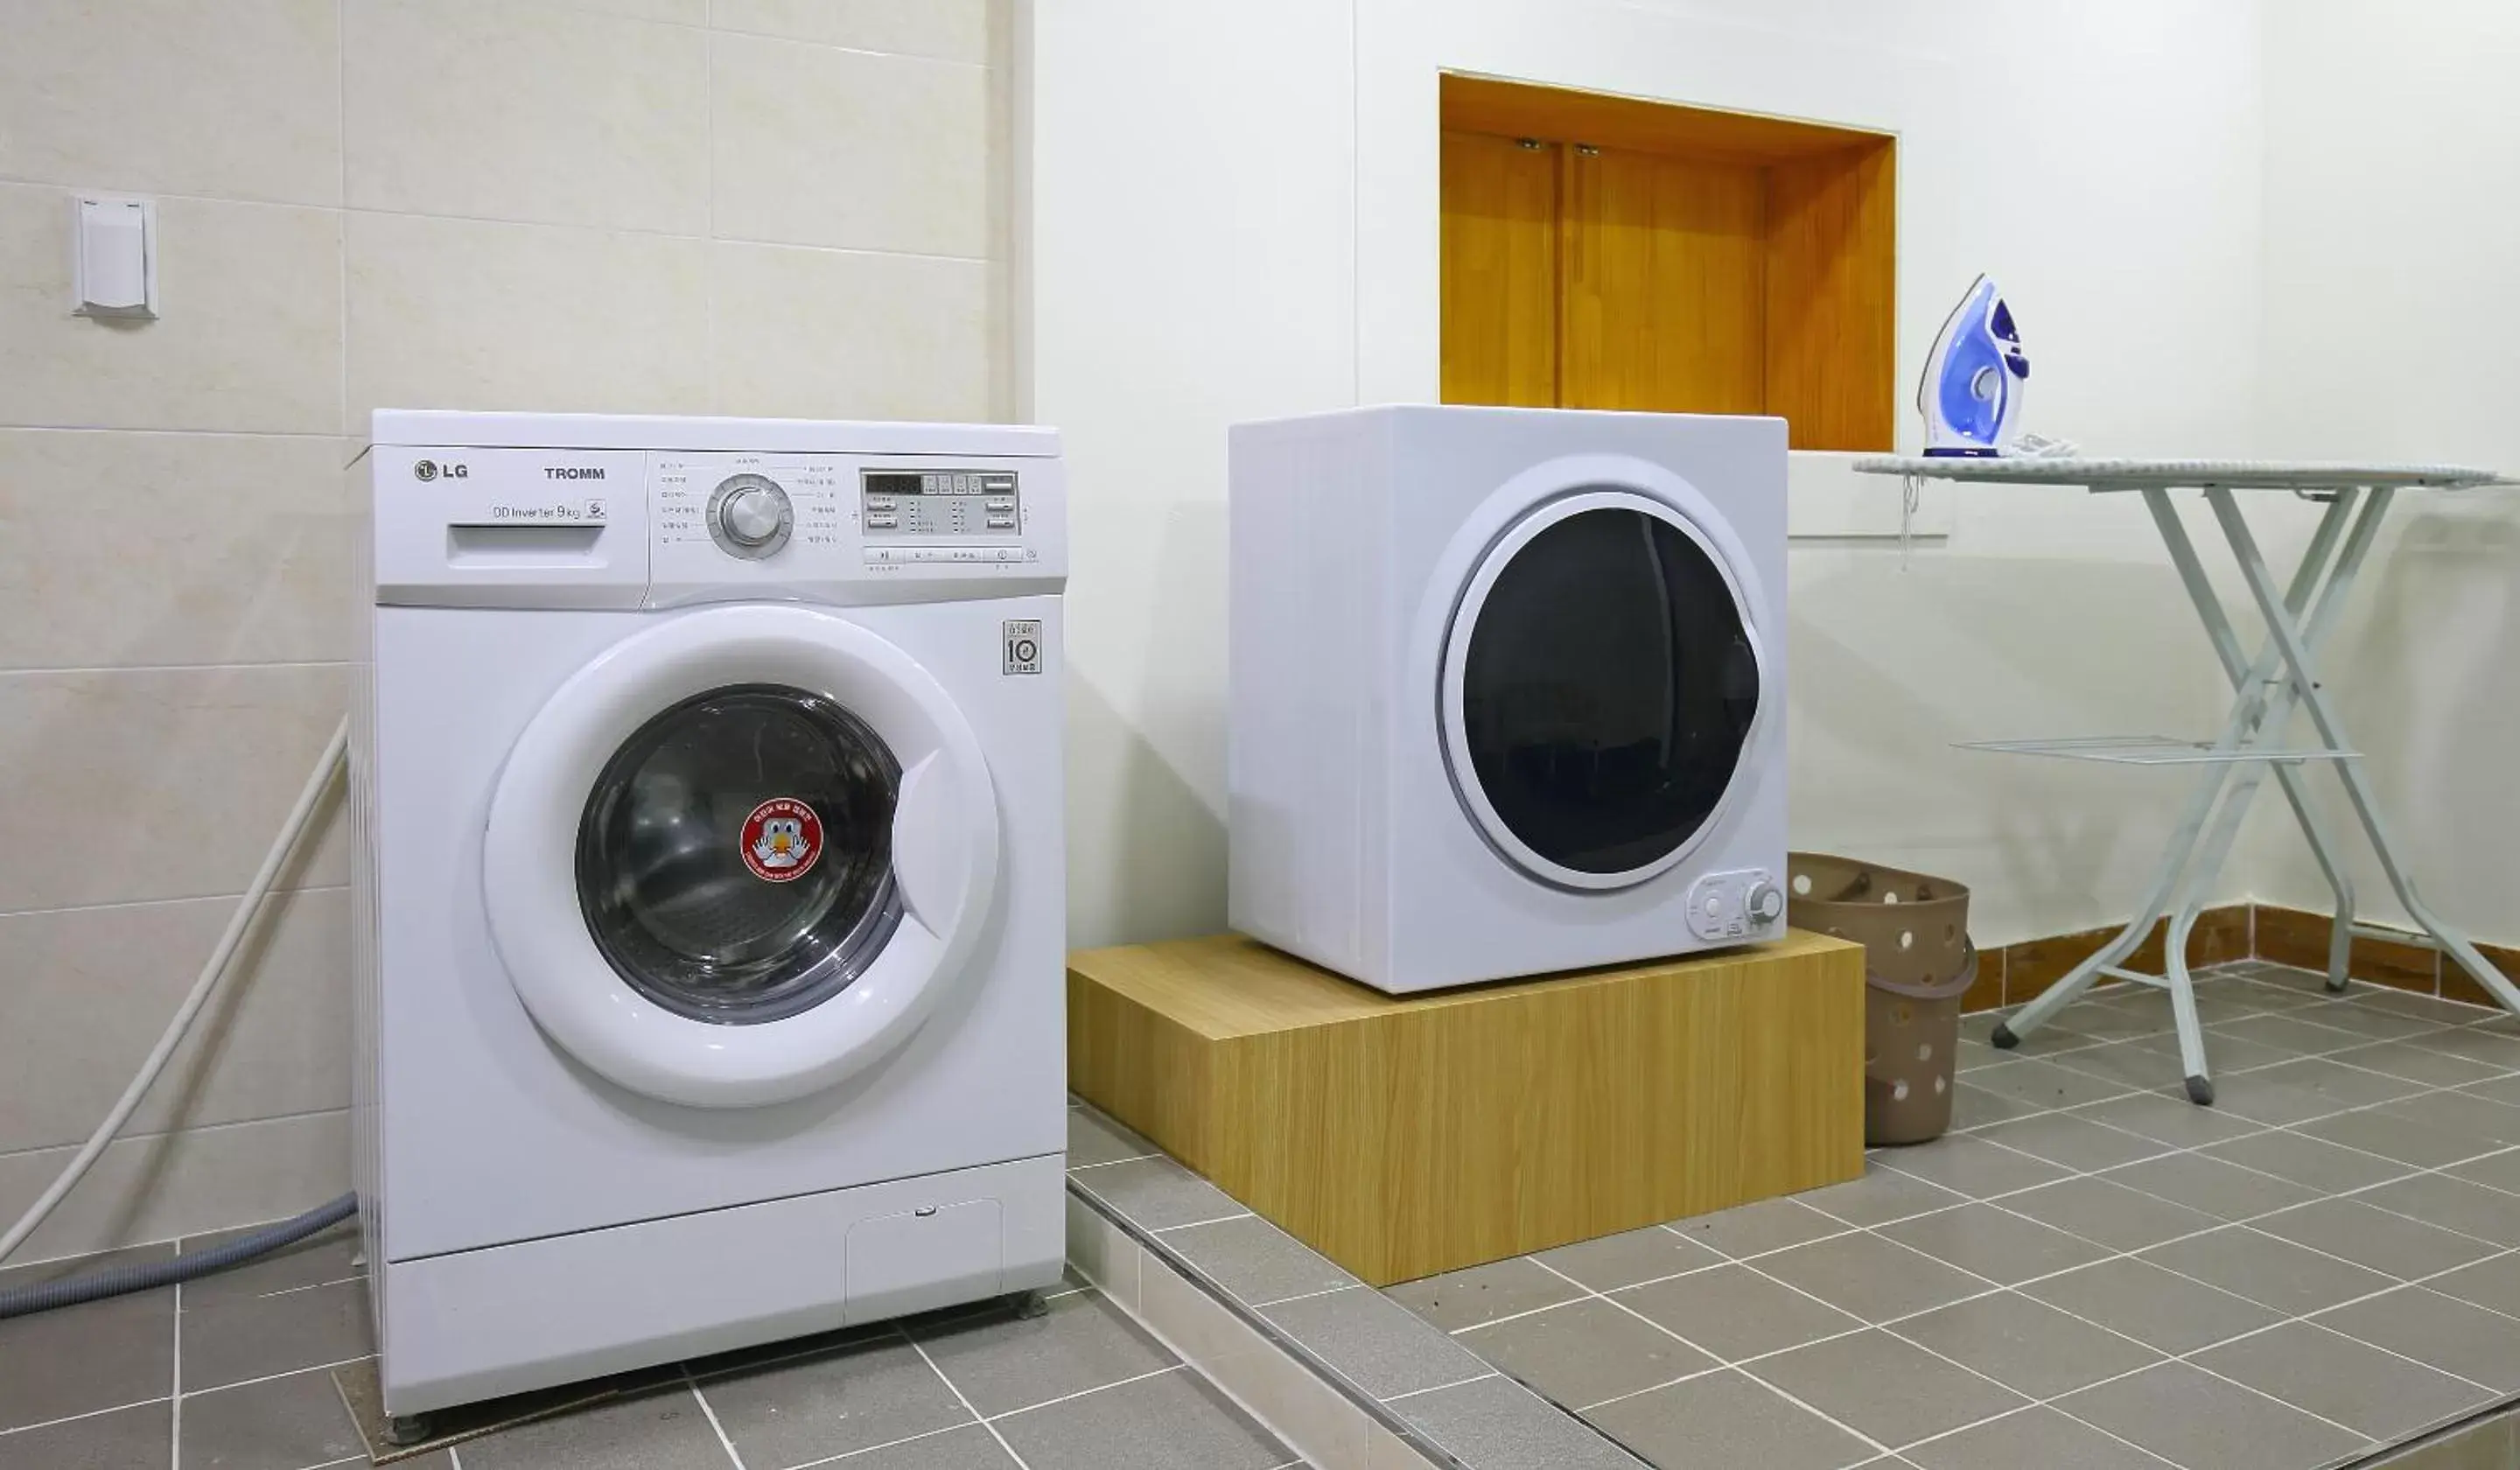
(118, 1280)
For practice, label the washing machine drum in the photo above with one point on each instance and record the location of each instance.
(1603, 677)
(741, 856)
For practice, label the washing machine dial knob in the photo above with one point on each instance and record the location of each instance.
(1765, 903)
(750, 515)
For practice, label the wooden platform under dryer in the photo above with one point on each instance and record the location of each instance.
(1405, 1136)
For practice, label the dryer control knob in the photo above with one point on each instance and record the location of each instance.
(1765, 903)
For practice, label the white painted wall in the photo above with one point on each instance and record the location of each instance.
(1231, 219)
(2392, 229)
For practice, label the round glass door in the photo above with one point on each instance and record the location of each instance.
(735, 858)
(1601, 680)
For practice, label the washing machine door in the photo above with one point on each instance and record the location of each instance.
(741, 856)
(1602, 676)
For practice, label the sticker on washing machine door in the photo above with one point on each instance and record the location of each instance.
(782, 839)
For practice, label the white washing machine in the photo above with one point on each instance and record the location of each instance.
(710, 916)
(1507, 688)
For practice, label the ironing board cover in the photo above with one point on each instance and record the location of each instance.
(2137, 474)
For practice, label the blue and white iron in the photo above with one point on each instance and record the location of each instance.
(1971, 395)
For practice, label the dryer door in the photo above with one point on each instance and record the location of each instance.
(1601, 678)
(741, 856)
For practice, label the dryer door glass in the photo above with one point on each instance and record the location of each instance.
(734, 858)
(1606, 690)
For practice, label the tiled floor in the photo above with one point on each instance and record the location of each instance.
(2090, 1274)
(1406, 1375)
(236, 1375)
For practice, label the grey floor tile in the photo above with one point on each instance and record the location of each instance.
(2261, 1098)
(1988, 1241)
(2493, 1284)
(2335, 1377)
(130, 1438)
(2269, 1270)
(2420, 1008)
(1976, 1107)
(1873, 1279)
(2504, 1087)
(2288, 1032)
(1754, 1229)
(2056, 1035)
(1972, 1166)
(2141, 1301)
(863, 1393)
(277, 1424)
(255, 1337)
(2463, 1113)
(2311, 1163)
(1380, 1346)
(2192, 1418)
(2498, 1171)
(2416, 1062)
(98, 1354)
(1624, 1260)
(1586, 1352)
(1883, 1194)
(2447, 1333)
(1153, 1424)
(1256, 1261)
(971, 1448)
(1511, 1429)
(659, 1431)
(1483, 1293)
(2226, 1191)
(2177, 1122)
(2039, 1436)
(1158, 1194)
(2026, 1344)
(2044, 1085)
(2224, 1053)
(2138, 1064)
(2378, 1022)
(2407, 1249)
(2341, 1085)
(2495, 1042)
(1003, 1362)
(1094, 1139)
(1969, 1056)
(327, 1256)
(1885, 1388)
(2073, 1140)
(2109, 1215)
(813, 1344)
(2393, 1136)
(1725, 1421)
(1735, 1313)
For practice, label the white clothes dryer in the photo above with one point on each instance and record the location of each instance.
(1507, 688)
(709, 903)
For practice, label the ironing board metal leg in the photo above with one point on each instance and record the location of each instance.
(2250, 682)
(2332, 733)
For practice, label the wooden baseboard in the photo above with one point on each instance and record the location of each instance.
(2015, 973)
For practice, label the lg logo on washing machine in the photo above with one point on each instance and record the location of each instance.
(426, 471)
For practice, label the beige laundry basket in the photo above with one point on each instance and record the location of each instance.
(1918, 965)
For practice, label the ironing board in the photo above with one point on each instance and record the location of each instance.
(2265, 691)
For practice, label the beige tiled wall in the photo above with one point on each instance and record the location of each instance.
(740, 206)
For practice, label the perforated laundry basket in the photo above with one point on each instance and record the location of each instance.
(1918, 965)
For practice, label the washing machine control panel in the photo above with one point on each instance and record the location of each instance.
(1741, 904)
(721, 520)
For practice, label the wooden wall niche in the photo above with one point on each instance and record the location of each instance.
(1603, 251)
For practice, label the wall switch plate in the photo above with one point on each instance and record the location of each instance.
(113, 250)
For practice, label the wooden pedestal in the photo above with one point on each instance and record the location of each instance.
(1402, 1137)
